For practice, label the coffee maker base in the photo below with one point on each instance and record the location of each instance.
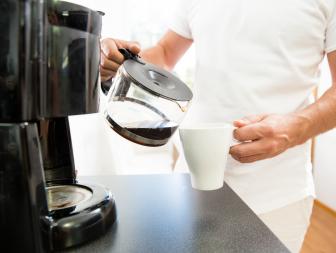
(77, 214)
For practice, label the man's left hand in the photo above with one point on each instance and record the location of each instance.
(266, 136)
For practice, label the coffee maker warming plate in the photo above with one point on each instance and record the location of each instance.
(66, 196)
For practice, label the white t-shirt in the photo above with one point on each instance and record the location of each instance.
(253, 57)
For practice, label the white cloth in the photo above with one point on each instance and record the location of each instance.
(290, 223)
(258, 56)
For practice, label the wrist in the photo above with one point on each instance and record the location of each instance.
(304, 125)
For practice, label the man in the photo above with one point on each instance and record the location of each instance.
(259, 58)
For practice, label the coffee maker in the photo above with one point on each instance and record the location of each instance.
(49, 70)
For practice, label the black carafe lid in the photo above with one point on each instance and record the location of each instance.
(154, 79)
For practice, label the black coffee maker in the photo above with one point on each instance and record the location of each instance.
(49, 69)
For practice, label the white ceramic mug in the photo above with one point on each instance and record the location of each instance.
(206, 148)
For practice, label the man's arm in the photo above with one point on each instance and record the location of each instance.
(168, 51)
(265, 136)
(322, 114)
(165, 53)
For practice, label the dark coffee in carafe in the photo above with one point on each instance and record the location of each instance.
(146, 133)
(153, 130)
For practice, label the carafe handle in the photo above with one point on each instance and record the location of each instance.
(105, 86)
(130, 56)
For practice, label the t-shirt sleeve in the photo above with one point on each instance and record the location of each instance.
(331, 34)
(180, 19)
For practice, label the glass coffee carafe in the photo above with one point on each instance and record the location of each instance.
(146, 103)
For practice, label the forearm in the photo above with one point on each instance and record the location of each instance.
(156, 55)
(320, 116)
(168, 51)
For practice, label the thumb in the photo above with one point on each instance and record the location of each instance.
(133, 46)
(249, 120)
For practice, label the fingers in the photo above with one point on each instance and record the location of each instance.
(249, 149)
(254, 131)
(251, 159)
(263, 136)
(248, 133)
(111, 58)
(110, 51)
(254, 151)
(106, 74)
(108, 64)
(249, 120)
(133, 46)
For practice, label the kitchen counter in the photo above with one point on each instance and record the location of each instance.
(162, 213)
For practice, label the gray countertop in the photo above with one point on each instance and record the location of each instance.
(162, 213)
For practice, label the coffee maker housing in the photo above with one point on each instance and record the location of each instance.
(49, 70)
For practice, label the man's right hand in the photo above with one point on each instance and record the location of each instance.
(111, 58)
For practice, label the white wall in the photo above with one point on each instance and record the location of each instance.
(325, 156)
